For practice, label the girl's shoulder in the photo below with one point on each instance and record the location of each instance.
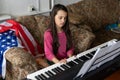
(47, 32)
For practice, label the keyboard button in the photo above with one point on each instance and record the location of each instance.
(93, 52)
(64, 66)
(59, 69)
(71, 63)
(44, 76)
(84, 58)
(77, 60)
(89, 55)
(55, 71)
(50, 73)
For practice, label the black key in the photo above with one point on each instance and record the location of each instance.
(81, 60)
(89, 55)
(60, 69)
(77, 60)
(41, 76)
(84, 58)
(71, 63)
(44, 76)
(55, 71)
(37, 77)
(64, 67)
(25, 79)
(93, 52)
(67, 66)
(50, 73)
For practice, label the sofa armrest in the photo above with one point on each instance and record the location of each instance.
(19, 57)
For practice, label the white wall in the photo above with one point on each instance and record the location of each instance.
(21, 7)
(16, 6)
(66, 2)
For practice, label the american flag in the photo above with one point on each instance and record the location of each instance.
(13, 34)
(7, 40)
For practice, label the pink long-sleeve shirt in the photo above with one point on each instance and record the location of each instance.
(48, 41)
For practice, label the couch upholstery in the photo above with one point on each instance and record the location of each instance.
(88, 19)
(96, 14)
(22, 64)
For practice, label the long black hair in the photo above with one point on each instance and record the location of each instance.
(65, 28)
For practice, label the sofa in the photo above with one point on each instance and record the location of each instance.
(88, 19)
(97, 14)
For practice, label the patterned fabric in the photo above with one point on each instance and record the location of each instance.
(43, 22)
(27, 40)
(19, 64)
(95, 13)
(7, 40)
(15, 39)
(30, 23)
(82, 38)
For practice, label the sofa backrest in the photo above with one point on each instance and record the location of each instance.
(95, 13)
(36, 25)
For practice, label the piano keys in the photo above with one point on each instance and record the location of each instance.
(58, 71)
(66, 71)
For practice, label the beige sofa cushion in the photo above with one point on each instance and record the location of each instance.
(82, 38)
(95, 13)
(30, 23)
(43, 22)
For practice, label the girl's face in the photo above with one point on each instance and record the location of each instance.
(60, 19)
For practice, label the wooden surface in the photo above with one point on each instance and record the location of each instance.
(114, 76)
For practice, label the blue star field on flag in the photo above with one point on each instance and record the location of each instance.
(7, 40)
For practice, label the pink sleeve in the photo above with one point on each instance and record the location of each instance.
(48, 46)
(70, 51)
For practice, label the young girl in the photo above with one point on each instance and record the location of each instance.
(57, 38)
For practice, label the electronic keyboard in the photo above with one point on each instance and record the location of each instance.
(68, 71)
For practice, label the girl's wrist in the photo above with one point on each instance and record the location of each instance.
(55, 60)
(70, 55)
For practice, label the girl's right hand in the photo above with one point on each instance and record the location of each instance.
(63, 60)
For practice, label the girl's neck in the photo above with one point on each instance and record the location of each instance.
(59, 30)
